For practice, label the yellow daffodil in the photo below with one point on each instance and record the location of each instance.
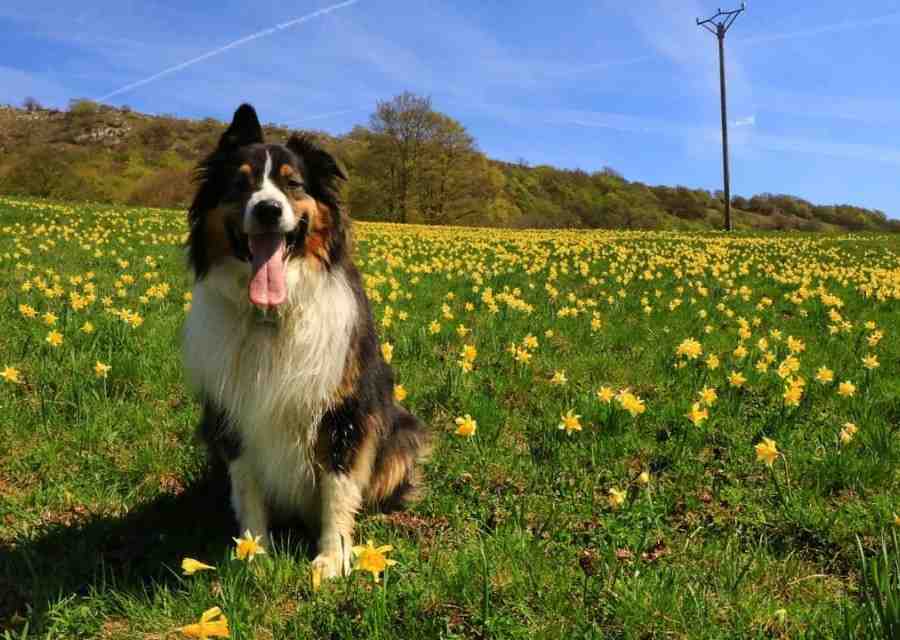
(27, 311)
(54, 338)
(399, 393)
(870, 362)
(247, 547)
(615, 498)
(631, 403)
(522, 356)
(792, 395)
(825, 375)
(101, 370)
(708, 396)
(697, 414)
(469, 352)
(848, 432)
(846, 389)
(736, 379)
(466, 426)
(689, 348)
(570, 422)
(11, 375)
(387, 351)
(189, 566)
(213, 624)
(767, 451)
(795, 345)
(606, 394)
(372, 559)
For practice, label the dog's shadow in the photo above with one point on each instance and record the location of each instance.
(127, 553)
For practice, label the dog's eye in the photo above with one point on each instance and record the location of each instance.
(242, 181)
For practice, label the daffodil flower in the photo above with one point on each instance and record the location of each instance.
(466, 426)
(767, 451)
(248, 547)
(213, 624)
(616, 498)
(372, 559)
(190, 566)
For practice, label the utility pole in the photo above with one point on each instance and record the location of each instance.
(718, 25)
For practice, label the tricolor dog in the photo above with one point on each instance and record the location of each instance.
(281, 347)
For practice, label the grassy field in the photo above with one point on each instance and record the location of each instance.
(666, 359)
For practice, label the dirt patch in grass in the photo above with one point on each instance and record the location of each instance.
(114, 628)
(425, 529)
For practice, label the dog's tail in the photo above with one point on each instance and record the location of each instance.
(396, 473)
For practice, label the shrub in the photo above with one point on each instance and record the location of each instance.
(164, 188)
(80, 107)
(44, 174)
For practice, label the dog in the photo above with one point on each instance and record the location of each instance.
(279, 343)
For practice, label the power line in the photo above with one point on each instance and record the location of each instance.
(718, 25)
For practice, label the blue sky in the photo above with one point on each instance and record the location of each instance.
(814, 101)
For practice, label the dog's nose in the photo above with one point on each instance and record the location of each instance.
(267, 211)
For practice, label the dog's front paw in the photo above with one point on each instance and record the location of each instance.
(331, 564)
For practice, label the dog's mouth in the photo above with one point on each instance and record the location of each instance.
(267, 253)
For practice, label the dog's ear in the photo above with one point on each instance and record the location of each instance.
(322, 166)
(244, 129)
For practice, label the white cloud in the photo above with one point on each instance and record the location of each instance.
(819, 30)
(710, 136)
(670, 28)
(749, 121)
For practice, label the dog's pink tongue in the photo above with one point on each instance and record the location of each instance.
(267, 282)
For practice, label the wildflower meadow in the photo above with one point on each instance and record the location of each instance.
(638, 435)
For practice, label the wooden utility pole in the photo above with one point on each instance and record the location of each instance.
(718, 25)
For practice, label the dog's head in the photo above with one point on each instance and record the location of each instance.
(260, 208)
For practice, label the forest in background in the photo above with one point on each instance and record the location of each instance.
(409, 163)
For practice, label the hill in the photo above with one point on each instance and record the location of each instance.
(410, 164)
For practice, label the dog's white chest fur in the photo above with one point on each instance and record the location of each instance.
(274, 381)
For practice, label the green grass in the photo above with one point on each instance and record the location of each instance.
(103, 488)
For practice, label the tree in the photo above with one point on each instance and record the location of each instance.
(456, 183)
(31, 104)
(419, 165)
(401, 127)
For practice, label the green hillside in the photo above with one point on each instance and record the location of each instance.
(409, 164)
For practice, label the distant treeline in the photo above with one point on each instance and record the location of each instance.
(410, 163)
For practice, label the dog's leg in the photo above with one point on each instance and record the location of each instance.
(341, 499)
(247, 500)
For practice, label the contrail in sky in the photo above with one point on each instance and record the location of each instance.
(230, 45)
